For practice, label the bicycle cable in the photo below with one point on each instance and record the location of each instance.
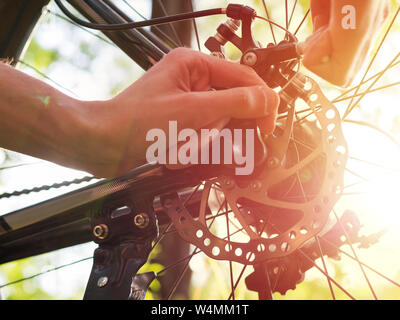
(139, 24)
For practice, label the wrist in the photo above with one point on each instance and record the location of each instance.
(101, 137)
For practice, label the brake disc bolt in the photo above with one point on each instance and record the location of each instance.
(141, 220)
(102, 282)
(100, 231)
(250, 59)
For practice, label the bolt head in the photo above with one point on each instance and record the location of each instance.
(141, 220)
(102, 282)
(250, 59)
(100, 231)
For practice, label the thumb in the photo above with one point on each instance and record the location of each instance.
(317, 48)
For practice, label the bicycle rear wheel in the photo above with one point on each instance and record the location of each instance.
(233, 273)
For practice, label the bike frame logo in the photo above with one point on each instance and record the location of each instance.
(208, 146)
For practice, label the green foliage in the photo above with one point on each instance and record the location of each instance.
(26, 290)
(40, 57)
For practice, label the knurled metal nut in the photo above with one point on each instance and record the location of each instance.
(100, 231)
(141, 220)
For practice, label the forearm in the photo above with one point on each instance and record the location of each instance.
(40, 121)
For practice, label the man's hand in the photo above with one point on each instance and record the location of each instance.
(108, 138)
(334, 52)
(195, 89)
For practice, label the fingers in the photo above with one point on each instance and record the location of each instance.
(244, 95)
(320, 58)
(317, 48)
(267, 124)
(240, 103)
(219, 73)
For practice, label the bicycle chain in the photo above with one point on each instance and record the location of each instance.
(47, 187)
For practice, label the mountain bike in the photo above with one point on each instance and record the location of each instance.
(278, 224)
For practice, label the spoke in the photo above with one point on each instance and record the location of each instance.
(316, 238)
(307, 115)
(374, 164)
(353, 193)
(219, 215)
(238, 280)
(46, 77)
(171, 26)
(187, 257)
(326, 275)
(366, 81)
(19, 165)
(367, 92)
(297, 172)
(178, 262)
(286, 15)
(196, 31)
(349, 107)
(371, 126)
(352, 185)
(302, 21)
(364, 264)
(291, 15)
(322, 271)
(182, 274)
(179, 279)
(270, 24)
(266, 294)
(283, 116)
(191, 195)
(325, 267)
(230, 261)
(352, 105)
(162, 33)
(166, 231)
(44, 272)
(311, 148)
(80, 27)
(356, 175)
(355, 256)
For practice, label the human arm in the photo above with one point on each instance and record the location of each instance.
(107, 138)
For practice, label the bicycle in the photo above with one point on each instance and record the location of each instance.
(301, 180)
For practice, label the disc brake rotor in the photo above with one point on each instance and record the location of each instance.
(295, 189)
